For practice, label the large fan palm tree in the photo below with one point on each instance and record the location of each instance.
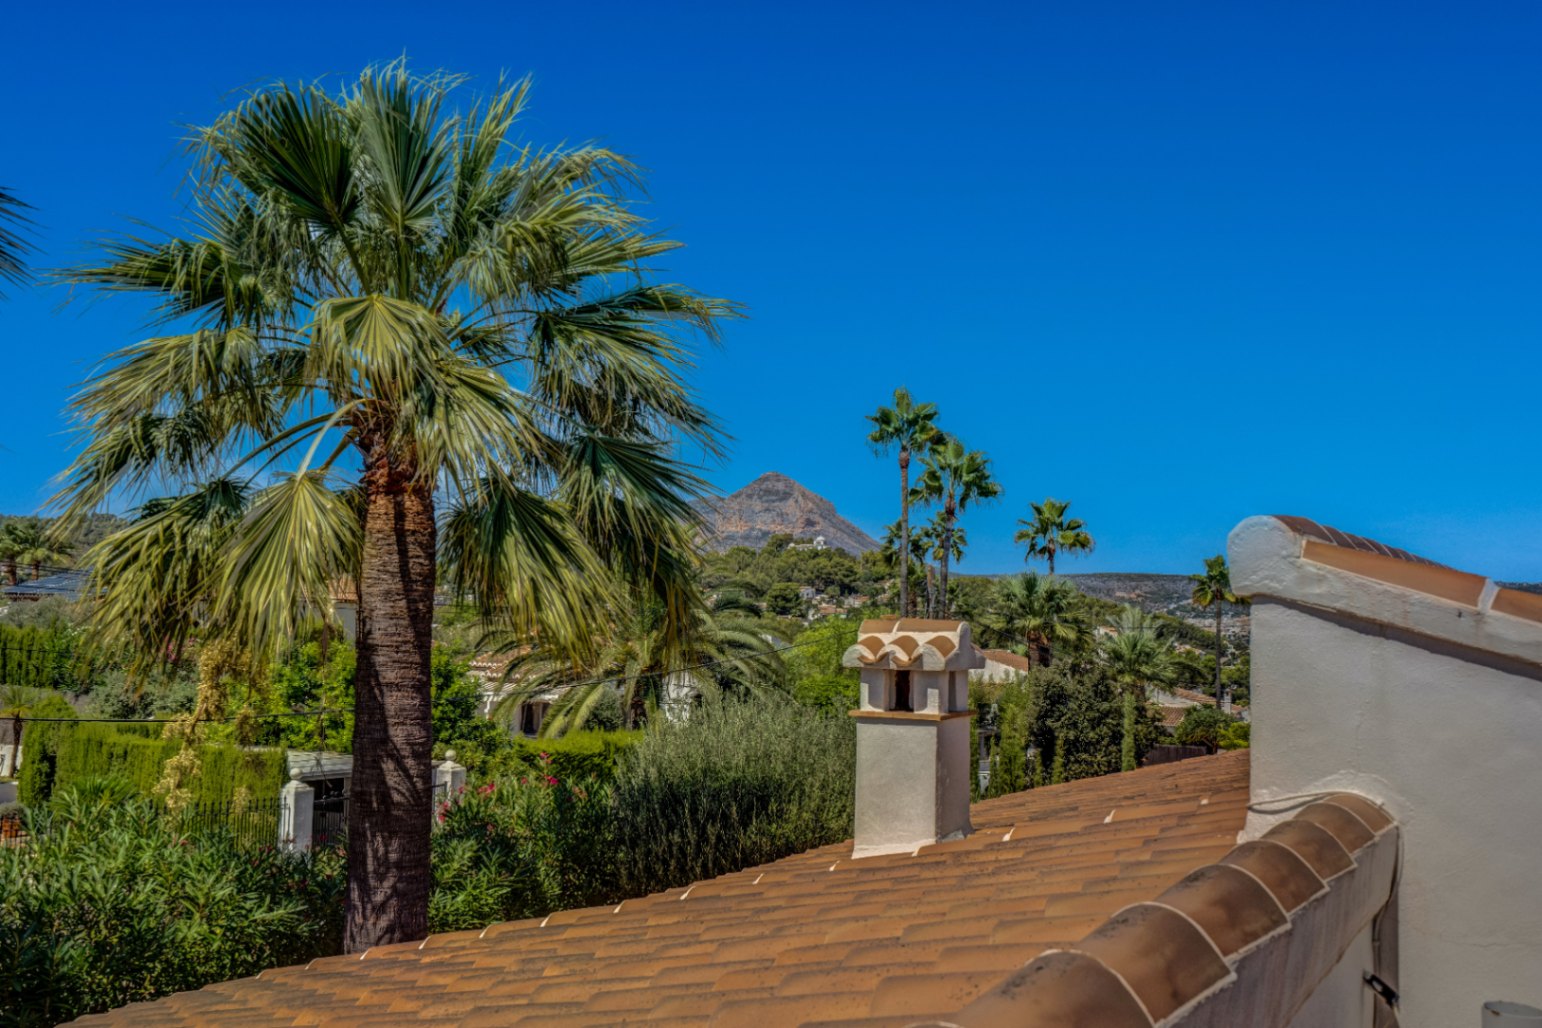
(1043, 613)
(958, 478)
(912, 428)
(1050, 532)
(31, 543)
(1213, 589)
(392, 336)
(14, 247)
(723, 648)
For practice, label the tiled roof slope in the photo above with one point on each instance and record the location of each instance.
(815, 938)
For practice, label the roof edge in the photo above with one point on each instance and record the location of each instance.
(1245, 940)
(1298, 561)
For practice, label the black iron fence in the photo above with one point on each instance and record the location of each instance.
(251, 824)
(329, 821)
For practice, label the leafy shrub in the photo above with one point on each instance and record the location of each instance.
(521, 848)
(575, 757)
(138, 754)
(1236, 736)
(108, 904)
(40, 745)
(740, 783)
(1203, 726)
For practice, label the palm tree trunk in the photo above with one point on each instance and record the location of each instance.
(904, 567)
(947, 550)
(1222, 695)
(390, 804)
(931, 592)
(1127, 743)
(1050, 555)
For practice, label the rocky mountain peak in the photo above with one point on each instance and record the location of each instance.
(774, 504)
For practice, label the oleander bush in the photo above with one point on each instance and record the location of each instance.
(109, 903)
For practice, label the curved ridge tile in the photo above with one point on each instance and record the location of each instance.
(1280, 869)
(1058, 989)
(1351, 832)
(1232, 906)
(1162, 955)
(1314, 844)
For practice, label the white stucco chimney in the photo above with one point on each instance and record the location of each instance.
(912, 733)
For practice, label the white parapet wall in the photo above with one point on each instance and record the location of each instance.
(1420, 687)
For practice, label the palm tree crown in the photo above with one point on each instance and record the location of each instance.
(1213, 589)
(1050, 532)
(957, 478)
(392, 336)
(911, 427)
(1043, 613)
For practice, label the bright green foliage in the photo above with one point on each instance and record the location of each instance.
(138, 755)
(1077, 722)
(1208, 726)
(577, 756)
(784, 600)
(49, 657)
(831, 571)
(1047, 615)
(814, 666)
(740, 783)
(40, 741)
(108, 904)
(1049, 532)
(522, 848)
(307, 680)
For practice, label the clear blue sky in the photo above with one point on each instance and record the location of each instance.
(1179, 263)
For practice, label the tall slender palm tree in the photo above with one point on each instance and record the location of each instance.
(391, 335)
(930, 546)
(912, 428)
(1043, 613)
(889, 549)
(1049, 532)
(1136, 657)
(14, 247)
(1213, 589)
(958, 478)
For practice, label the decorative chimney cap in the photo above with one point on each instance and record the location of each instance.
(921, 644)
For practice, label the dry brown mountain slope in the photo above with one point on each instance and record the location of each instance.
(774, 504)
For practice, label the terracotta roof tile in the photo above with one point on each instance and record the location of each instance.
(819, 937)
(1327, 534)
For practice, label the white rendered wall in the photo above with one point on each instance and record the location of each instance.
(1449, 740)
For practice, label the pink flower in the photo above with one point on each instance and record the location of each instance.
(487, 789)
(550, 780)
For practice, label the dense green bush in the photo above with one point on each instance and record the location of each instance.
(1208, 726)
(574, 757)
(138, 754)
(40, 748)
(108, 904)
(52, 656)
(741, 783)
(522, 848)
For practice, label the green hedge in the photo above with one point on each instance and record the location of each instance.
(577, 755)
(137, 754)
(54, 657)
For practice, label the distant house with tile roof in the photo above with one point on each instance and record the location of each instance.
(1369, 870)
